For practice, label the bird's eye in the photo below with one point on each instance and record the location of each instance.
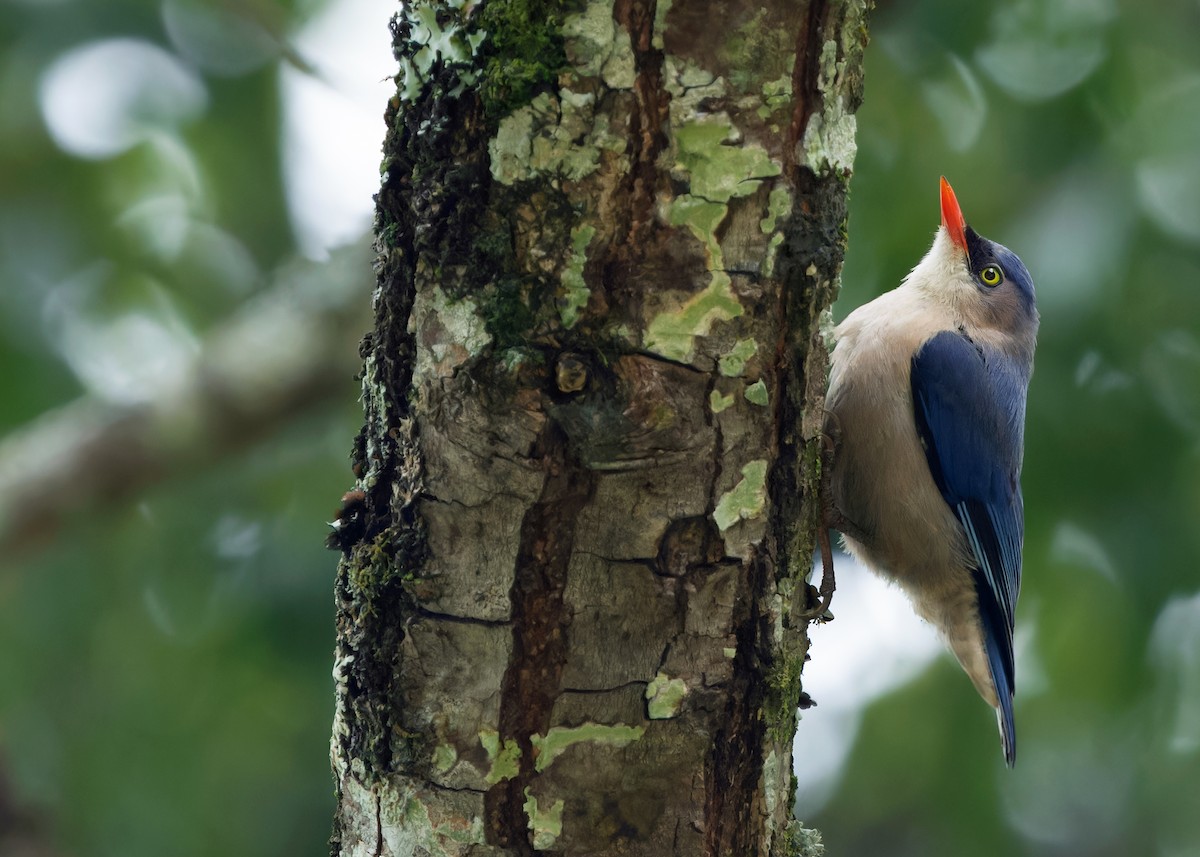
(991, 276)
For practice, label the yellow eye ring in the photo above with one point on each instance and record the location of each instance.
(991, 276)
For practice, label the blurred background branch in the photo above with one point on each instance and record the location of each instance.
(289, 350)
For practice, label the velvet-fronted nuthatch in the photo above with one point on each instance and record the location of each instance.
(926, 411)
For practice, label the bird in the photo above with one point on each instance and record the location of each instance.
(925, 414)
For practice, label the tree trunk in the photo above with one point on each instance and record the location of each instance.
(571, 599)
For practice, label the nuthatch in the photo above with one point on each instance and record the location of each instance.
(926, 411)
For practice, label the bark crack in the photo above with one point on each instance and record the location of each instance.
(735, 762)
(532, 680)
(648, 561)
(806, 83)
(460, 620)
(653, 355)
(491, 498)
(718, 446)
(596, 691)
(648, 120)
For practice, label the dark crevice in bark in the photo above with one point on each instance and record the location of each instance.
(718, 444)
(813, 242)
(810, 262)
(434, 616)
(647, 134)
(532, 680)
(620, 560)
(659, 358)
(598, 691)
(637, 242)
(806, 73)
(733, 771)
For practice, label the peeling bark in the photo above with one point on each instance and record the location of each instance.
(571, 598)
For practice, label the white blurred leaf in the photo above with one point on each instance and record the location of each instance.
(1171, 369)
(104, 97)
(217, 38)
(1040, 50)
(958, 103)
(1175, 652)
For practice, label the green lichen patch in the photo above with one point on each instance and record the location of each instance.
(409, 827)
(505, 757)
(830, 141)
(758, 48)
(768, 268)
(702, 217)
(673, 334)
(544, 824)
(444, 757)
(553, 135)
(718, 402)
(827, 326)
(779, 204)
(550, 746)
(555, 149)
(449, 332)
(660, 20)
(756, 393)
(718, 172)
(801, 841)
(575, 289)
(513, 144)
(777, 94)
(598, 47)
(690, 86)
(733, 363)
(664, 696)
(745, 500)
(770, 776)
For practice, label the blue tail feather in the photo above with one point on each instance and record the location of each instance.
(997, 638)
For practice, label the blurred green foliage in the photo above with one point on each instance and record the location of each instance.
(164, 666)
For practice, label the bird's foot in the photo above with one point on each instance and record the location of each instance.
(820, 598)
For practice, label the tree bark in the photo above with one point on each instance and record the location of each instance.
(571, 601)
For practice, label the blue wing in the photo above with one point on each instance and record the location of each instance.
(969, 407)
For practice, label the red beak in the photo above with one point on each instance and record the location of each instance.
(952, 217)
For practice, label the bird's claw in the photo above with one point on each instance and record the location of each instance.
(821, 598)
